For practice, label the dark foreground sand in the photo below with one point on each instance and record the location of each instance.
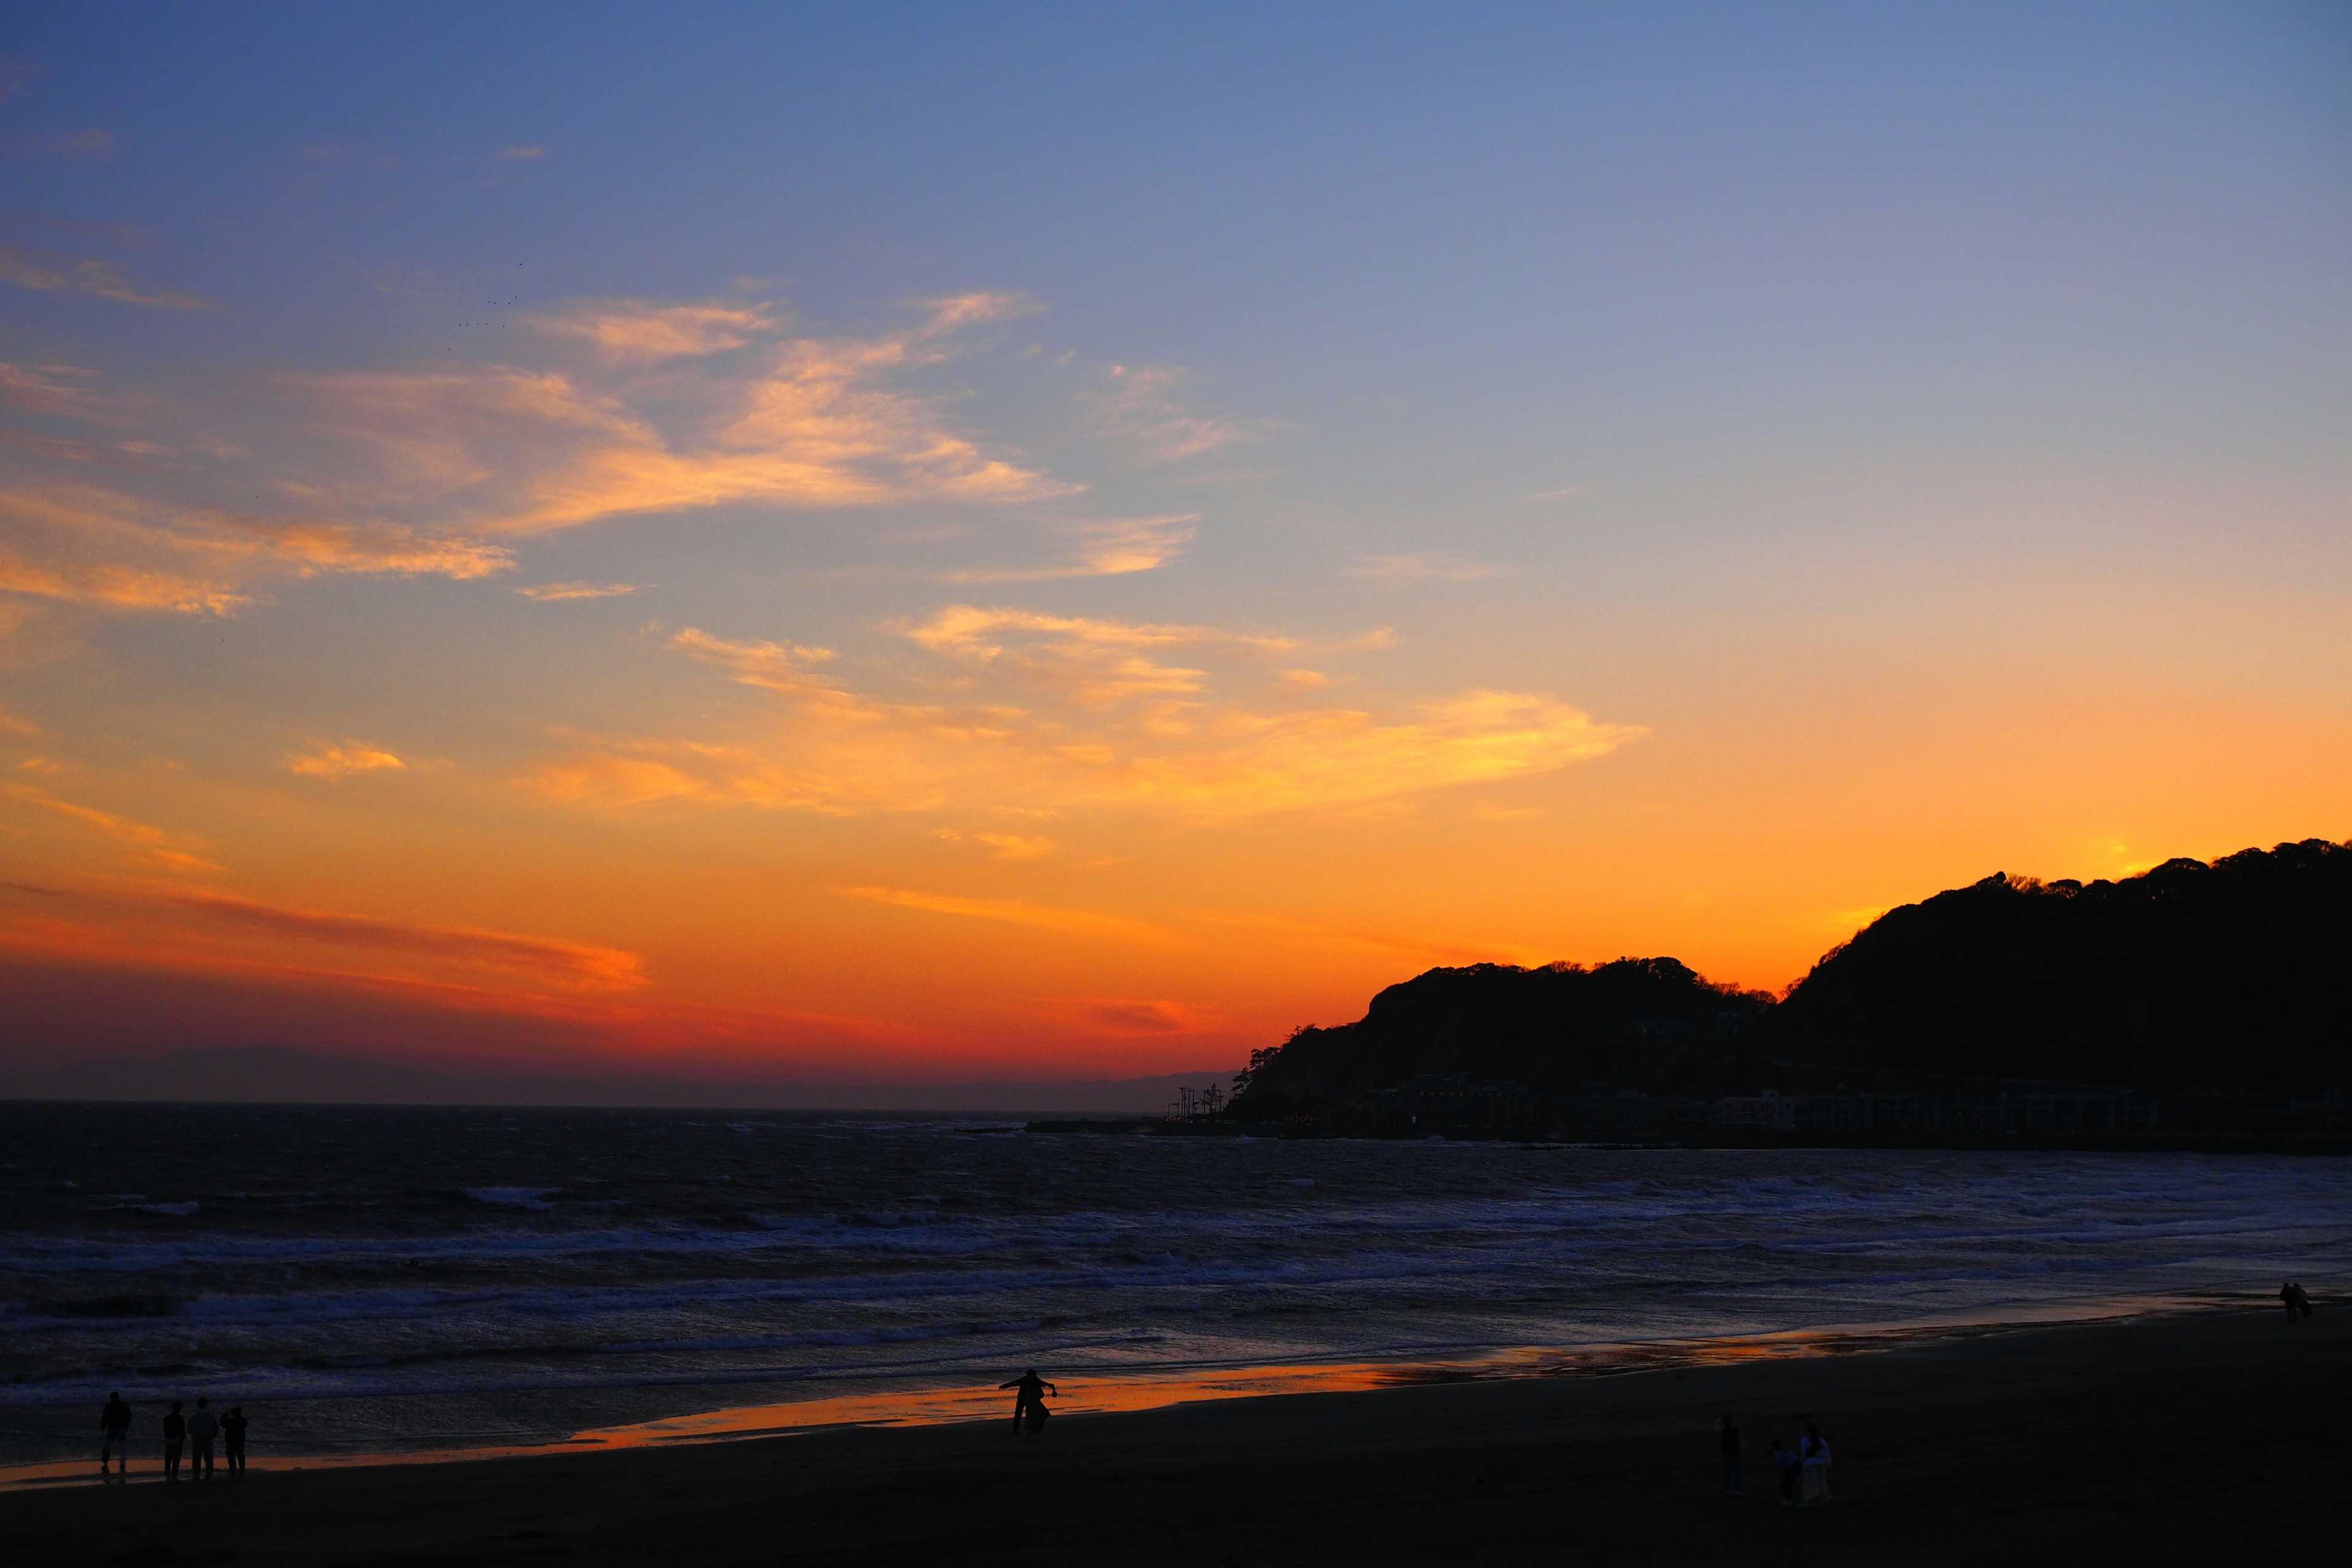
(2205, 1438)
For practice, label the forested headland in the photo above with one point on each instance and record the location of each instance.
(2220, 990)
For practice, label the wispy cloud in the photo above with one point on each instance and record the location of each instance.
(1420, 566)
(1566, 492)
(144, 842)
(1139, 405)
(339, 762)
(1055, 712)
(519, 154)
(545, 960)
(553, 593)
(628, 332)
(1151, 1016)
(1006, 846)
(61, 390)
(85, 544)
(1107, 549)
(86, 275)
(574, 962)
(788, 423)
(1068, 923)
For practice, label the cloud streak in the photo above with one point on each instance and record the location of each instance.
(340, 761)
(781, 422)
(1108, 549)
(1139, 407)
(85, 544)
(86, 275)
(538, 959)
(1056, 712)
(557, 593)
(144, 842)
(1066, 922)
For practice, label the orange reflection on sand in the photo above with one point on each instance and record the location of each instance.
(1158, 1390)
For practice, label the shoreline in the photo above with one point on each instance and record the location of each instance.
(1152, 1389)
(2172, 1437)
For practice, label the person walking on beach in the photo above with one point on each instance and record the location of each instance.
(233, 1440)
(1785, 1466)
(114, 1434)
(1029, 1400)
(2298, 1305)
(203, 1427)
(1815, 1462)
(175, 1433)
(1727, 1440)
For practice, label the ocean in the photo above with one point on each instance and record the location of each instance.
(378, 1280)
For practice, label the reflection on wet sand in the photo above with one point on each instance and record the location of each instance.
(1155, 1390)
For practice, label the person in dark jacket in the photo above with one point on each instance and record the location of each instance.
(175, 1434)
(233, 1440)
(1030, 1396)
(114, 1434)
(203, 1427)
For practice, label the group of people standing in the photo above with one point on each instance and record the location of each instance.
(188, 1435)
(1803, 1471)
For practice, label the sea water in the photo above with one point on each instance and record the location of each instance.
(368, 1280)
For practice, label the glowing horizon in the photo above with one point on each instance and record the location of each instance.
(1069, 548)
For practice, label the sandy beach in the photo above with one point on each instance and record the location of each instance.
(2176, 1438)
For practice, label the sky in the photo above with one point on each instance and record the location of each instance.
(915, 543)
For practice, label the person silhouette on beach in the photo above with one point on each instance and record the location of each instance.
(114, 1433)
(1815, 1462)
(1786, 1463)
(1029, 1403)
(2298, 1305)
(233, 1440)
(203, 1427)
(1727, 1440)
(175, 1433)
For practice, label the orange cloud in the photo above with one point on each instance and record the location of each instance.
(1068, 712)
(629, 333)
(144, 842)
(82, 544)
(333, 763)
(1140, 408)
(555, 593)
(796, 423)
(546, 956)
(1068, 923)
(1108, 549)
(537, 959)
(1140, 1017)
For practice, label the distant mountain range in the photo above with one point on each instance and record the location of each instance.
(2232, 977)
(279, 1074)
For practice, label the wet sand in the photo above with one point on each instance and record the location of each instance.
(2173, 1439)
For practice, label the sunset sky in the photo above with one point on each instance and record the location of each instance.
(879, 542)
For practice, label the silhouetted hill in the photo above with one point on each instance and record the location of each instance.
(1647, 1024)
(2232, 976)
